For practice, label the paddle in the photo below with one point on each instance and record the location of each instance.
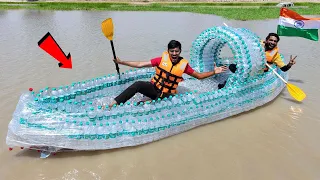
(107, 29)
(294, 91)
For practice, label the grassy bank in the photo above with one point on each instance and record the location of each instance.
(237, 11)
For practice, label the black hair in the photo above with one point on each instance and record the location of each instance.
(273, 34)
(174, 44)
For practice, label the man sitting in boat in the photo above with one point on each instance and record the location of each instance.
(272, 56)
(169, 69)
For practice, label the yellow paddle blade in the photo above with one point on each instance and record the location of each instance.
(107, 28)
(296, 92)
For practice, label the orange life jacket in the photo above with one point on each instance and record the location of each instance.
(167, 75)
(270, 55)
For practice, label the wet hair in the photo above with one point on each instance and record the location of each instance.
(273, 34)
(174, 44)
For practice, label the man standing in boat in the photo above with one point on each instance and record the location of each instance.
(169, 69)
(272, 56)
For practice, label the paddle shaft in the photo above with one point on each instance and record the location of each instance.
(115, 57)
(276, 73)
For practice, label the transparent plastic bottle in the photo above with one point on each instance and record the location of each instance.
(92, 114)
(99, 113)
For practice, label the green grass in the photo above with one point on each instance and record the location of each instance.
(236, 11)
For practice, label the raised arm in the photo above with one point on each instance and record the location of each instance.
(289, 65)
(136, 64)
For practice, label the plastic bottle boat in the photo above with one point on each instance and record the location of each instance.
(74, 117)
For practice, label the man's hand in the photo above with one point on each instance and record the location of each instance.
(118, 61)
(292, 61)
(220, 69)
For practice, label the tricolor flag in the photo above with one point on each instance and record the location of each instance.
(292, 24)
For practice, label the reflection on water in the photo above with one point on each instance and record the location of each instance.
(277, 141)
(296, 112)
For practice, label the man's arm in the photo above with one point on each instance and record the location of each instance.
(217, 70)
(285, 68)
(136, 64)
(202, 75)
(281, 64)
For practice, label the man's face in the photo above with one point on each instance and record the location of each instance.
(174, 54)
(271, 42)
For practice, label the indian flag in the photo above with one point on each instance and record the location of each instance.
(292, 24)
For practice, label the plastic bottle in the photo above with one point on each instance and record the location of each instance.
(69, 106)
(99, 113)
(53, 103)
(61, 105)
(75, 107)
(54, 93)
(92, 114)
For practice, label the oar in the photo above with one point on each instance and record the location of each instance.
(294, 91)
(107, 29)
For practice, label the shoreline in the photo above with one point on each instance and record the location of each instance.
(237, 10)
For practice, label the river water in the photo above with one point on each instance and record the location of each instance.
(277, 141)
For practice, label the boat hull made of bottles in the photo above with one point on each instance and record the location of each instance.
(74, 117)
